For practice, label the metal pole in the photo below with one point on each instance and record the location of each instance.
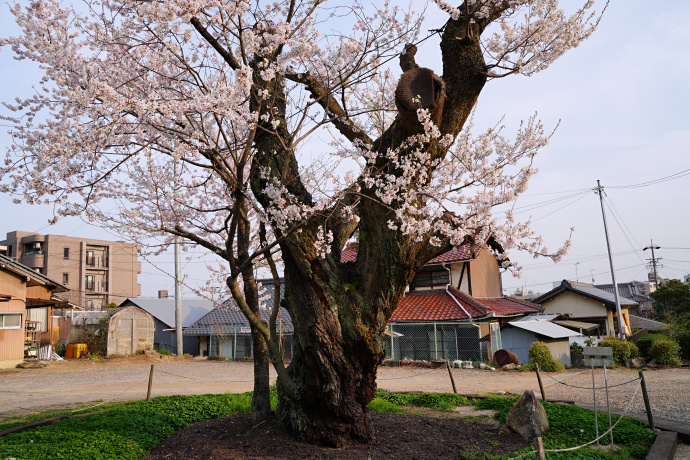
(600, 192)
(594, 394)
(178, 289)
(647, 406)
(608, 404)
(652, 247)
(234, 347)
(392, 344)
(435, 343)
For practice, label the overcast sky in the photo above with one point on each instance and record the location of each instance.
(622, 99)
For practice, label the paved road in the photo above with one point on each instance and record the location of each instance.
(84, 381)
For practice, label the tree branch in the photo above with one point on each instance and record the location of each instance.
(225, 54)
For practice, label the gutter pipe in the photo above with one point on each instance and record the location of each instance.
(443, 264)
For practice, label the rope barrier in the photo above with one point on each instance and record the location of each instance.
(589, 388)
(206, 380)
(408, 376)
(568, 449)
(72, 411)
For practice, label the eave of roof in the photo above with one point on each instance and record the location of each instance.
(23, 270)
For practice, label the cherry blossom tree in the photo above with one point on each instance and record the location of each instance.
(234, 93)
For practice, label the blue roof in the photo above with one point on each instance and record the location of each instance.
(164, 309)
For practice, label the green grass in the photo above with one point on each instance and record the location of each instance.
(572, 426)
(443, 401)
(128, 430)
(124, 430)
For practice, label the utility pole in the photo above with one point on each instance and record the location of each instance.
(652, 247)
(619, 314)
(178, 289)
(577, 278)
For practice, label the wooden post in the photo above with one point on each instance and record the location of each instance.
(541, 455)
(647, 406)
(541, 385)
(148, 393)
(452, 380)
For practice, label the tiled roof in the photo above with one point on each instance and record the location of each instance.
(505, 306)
(463, 252)
(228, 318)
(588, 291)
(625, 290)
(438, 305)
(433, 305)
(349, 254)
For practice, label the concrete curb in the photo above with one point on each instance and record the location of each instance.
(664, 447)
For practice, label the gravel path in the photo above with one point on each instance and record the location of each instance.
(83, 381)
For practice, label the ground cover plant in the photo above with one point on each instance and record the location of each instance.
(123, 430)
(128, 430)
(572, 426)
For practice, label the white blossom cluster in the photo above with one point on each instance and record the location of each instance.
(131, 88)
(529, 34)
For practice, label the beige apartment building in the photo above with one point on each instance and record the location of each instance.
(97, 272)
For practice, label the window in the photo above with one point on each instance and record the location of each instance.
(10, 320)
(65, 278)
(89, 283)
(432, 279)
(89, 258)
(65, 253)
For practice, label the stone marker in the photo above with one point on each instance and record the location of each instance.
(528, 417)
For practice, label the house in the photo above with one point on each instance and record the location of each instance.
(636, 291)
(26, 320)
(583, 302)
(453, 309)
(163, 312)
(518, 335)
(225, 332)
(98, 272)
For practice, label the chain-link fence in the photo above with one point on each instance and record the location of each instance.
(434, 341)
(235, 342)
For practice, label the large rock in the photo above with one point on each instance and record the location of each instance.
(528, 417)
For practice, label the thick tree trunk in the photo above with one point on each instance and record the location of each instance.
(334, 364)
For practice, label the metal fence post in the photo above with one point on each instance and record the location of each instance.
(435, 343)
(392, 343)
(234, 347)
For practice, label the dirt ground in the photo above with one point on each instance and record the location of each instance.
(78, 382)
(397, 436)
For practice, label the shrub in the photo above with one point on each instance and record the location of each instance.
(680, 332)
(645, 344)
(622, 351)
(165, 351)
(666, 351)
(540, 354)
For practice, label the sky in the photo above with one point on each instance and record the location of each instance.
(621, 99)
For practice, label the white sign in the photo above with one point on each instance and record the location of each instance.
(245, 330)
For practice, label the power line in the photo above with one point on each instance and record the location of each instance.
(677, 175)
